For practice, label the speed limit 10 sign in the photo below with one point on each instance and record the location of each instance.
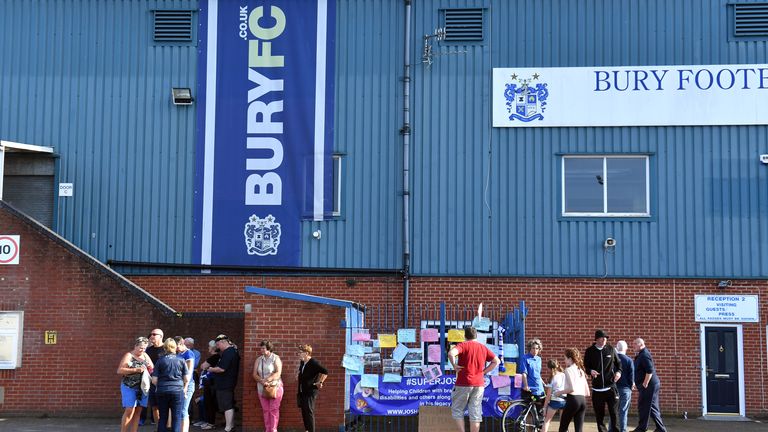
(10, 246)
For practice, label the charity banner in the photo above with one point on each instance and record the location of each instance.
(403, 398)
(265, 128)
(681, 95)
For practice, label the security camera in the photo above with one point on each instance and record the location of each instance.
(609, 243)
(317, 234)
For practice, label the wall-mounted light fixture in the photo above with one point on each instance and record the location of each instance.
(181, 96)
(723, 284)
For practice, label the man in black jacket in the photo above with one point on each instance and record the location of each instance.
(312, 375)
(602, 363)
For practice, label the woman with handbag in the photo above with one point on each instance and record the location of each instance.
(266, 372)
(132, 367)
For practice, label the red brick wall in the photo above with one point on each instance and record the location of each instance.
(562, 312)
(97, 320)
(287, 324)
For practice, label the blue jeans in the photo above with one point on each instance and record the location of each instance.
(175, 402)
(625, 401)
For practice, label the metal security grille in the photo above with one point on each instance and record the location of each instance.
(750, 19)
(173, 26)
(464, 25)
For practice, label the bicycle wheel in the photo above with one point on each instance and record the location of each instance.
(528, 420)
(509, 420)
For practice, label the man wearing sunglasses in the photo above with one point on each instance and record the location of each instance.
(154, 351)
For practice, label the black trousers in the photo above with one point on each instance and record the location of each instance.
(648, 408)
(307, 405)
(211, 406)
(575, 408)
(599, 400)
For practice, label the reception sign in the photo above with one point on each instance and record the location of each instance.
(403, 398)
(727, 308)
(265, 116)
(684, 95)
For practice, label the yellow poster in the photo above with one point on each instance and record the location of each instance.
(387, 341)
(511, 369)
(455, 335)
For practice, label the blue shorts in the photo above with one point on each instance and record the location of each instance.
(556, 405)
(132, 397)
(188, 399)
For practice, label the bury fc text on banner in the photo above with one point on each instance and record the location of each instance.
(265, 128)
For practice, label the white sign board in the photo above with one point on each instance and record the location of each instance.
(631, 96)
(65, 189)
(10, 249)
(10, 339)
(727, 308)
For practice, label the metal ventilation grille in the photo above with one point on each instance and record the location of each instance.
(173, 26)
(463, 25)
(750, 19)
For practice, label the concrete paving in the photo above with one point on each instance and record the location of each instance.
(22, 424)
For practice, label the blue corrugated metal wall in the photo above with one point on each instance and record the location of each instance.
(709, 191)
(85, 78)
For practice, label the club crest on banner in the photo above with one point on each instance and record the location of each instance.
(526, 100)
(262, 236)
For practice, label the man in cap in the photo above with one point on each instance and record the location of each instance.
(602, 363)
(226, 378)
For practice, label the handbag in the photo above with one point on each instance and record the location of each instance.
(270, 390)
(145, 381)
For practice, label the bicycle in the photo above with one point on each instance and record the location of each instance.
(522, 415)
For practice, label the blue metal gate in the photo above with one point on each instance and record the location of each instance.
(505, 321)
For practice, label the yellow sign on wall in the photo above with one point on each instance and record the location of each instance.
(50, 337)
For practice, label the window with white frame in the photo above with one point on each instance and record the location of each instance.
(337, 184)
(606, 186)
(11, 326)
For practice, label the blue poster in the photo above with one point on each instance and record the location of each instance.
(404, 398)
(265, 128)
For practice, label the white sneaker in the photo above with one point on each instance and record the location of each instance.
(207, 426)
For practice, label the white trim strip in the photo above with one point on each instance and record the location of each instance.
(319, 168)
(210, 131)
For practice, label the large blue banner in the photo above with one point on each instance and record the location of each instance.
(265, 128)
(404, 398)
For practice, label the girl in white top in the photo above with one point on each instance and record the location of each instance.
(553, 403)
(575, 390)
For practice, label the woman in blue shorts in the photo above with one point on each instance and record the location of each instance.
(132, 366)
(553, 403)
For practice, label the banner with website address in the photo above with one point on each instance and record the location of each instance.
(265, 128)
(404, 398)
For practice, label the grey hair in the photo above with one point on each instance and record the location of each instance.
(211, 344)
(621, 347)
(189, 342)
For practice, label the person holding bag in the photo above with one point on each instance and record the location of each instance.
(266, 372)
(133, 366)
(312, 376)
